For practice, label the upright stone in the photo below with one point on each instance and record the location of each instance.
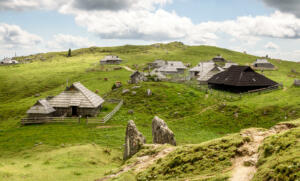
(133, 140)
(161, 134)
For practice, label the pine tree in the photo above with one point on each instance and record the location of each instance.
(69, 53)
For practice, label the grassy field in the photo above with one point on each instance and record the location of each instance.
(193, 115)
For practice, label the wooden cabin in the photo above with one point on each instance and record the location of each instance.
(110, 60)
(172, 67)
(219, 59)
(263, 64)
(240, 79)
(297, 83)
(41, 108)
(76, 100)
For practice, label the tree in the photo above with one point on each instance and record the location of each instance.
(69, 53)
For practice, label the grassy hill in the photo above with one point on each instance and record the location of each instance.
(193, 115)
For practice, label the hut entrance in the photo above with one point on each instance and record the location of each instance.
(74, 110)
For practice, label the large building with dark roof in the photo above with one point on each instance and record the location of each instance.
(240, 79)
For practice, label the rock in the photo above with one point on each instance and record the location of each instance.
(133, 93)
(136, 87)
(130, 111)
(149, 92)
(37, 95)
(125, 91)
(161, 133)
(134, 140)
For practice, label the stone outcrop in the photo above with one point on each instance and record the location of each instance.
(161, 134)
(133, 140)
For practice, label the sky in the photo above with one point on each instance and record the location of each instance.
(259, 27)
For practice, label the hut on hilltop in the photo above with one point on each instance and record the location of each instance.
(76, 100)
(219, 59)
(263, 64)
(240, 79)
(111, 60)
(41, 108)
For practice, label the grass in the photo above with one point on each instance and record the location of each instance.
(193, 116)
(279, 157)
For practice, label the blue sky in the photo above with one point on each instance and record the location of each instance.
(259, 27)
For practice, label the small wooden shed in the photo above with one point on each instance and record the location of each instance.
(297, 83)
(40, 109)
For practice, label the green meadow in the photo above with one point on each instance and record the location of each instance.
(71, 151)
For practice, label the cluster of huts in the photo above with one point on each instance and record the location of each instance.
(75, 100)
(8, 61)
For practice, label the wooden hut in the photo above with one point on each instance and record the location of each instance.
(111, 60)
(240, 79)
(136, 77)
(40, 109)
(263, 64)
(297, 83)
(76, 100)
(219, 59)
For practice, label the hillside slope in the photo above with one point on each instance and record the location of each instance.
(193, 114)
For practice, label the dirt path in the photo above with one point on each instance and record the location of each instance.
(142, 162)
(127, 68)
(244, 165)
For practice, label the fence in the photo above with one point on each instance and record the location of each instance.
(113, 112)
(87, 120)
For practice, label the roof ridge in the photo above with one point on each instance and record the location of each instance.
(83, 92)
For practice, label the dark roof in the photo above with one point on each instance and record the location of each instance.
(241, 76)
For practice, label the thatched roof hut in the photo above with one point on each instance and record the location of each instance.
(41, 108)
(240, 79)
(76, 100)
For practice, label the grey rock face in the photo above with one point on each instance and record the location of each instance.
(161, 134)
(125, 91)
(134, 140)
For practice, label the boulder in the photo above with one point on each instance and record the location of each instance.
(125, 91)
(149, 92)
(133, 93)
(161, 134)
(134, 140)
(136, 87)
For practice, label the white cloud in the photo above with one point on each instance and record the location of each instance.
(271, 46)
(12, 36)
(63, 41)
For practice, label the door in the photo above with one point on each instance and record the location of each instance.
(74, 110)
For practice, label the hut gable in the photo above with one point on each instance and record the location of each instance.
(241, 76)
(77, 95)
(41, 107)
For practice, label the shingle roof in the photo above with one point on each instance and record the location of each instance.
(111, 57)
(261, 61)
(76, 95)
(241, 76)
(41, 107)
